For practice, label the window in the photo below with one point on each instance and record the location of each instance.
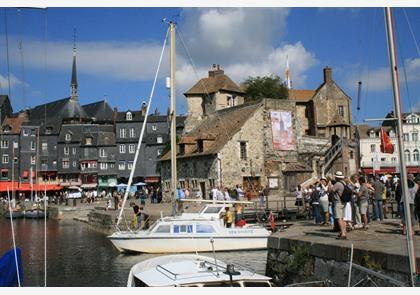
(204, 229)
(66, 150)
(393, 159)
(102, 153)
(341, 110)
(159, 139)
(132, 133)
(373, 148)
(211, 182)
(74, 164)
(159, 152)
(182, 229)
(68, 137)
(243, 152)
(104, 166)
(121, 165)
(33, 159)
(88, 140)
(123, 132)
(4, 173)
(154, 127)
(4, 144)
(73, 151)
(182, 183)
(200, 146)
(406, 137)
(372, 134)
(129, 116)
(131, 148)
(44, 146)
(407, 155)
(194, 183)
(163, 229)
(130, 165)
(391, 133)
(25, 132)
(351, 155)
(122, 148)
(48, 130)
(383, 159)
(33, 146)
(5, 159)
(416, 155)
(66, 164)
(415, 136)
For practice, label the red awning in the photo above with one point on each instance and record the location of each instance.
(392, 170)
(26, 187)
(8, 184)
(152, 179)
(4, 170)
(25, 174)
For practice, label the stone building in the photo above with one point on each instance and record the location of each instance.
(239, 145)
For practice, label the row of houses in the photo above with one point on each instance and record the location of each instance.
(63, 143)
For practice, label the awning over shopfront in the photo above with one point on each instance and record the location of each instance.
(4, 185)
(26, 187)
(89, 185)
(391, 170)
(152, 179)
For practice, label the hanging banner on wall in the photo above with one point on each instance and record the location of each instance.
(282, 128)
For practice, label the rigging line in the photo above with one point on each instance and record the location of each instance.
(143, 127)
(366, 92)
(20, 30)
(45, 123)
(13, 235)
(411, 31)
(7, 51)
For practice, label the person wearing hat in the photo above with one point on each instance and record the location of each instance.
(337, 191)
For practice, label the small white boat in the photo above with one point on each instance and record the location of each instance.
(189, 270)
(192, 232)
(35, 213)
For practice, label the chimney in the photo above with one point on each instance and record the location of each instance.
(215, 71)
(143, 108)
(327, 74)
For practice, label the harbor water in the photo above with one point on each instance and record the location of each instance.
(78, 256)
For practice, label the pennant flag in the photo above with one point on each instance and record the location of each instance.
(272, 221)
(386, 145)
(287, 81)
(10, 276)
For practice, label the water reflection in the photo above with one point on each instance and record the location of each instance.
(79, 256)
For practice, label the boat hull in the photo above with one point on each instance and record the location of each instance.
(187, 245)
(15, 214)
(35, 214)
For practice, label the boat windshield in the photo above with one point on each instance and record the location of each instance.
(211, 209)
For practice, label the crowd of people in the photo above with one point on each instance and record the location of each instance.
(353, 202)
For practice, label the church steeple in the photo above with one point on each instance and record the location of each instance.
(73, 85)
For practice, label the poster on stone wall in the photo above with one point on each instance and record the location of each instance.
(282, 128)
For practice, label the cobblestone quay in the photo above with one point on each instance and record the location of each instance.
(307, 252)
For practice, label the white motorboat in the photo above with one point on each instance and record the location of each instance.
(192, 232)
(193, 271)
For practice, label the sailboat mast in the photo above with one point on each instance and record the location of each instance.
(173, 114)
(403, 172)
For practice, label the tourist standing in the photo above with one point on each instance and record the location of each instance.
(337, 190)
(363, 197)
(239, 192)
(412, 191)
(228, 218)
(315, 204)
(377, 202)
(323, 200)
(357, 220)
(299, 198)
(226, 194)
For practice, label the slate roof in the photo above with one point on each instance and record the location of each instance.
(219, 128)
(364, 130)
(214, 84)
(62, 108)
(100, 111)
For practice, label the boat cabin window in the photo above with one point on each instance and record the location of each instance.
(204, 228)
(256, 284)
(163, 229)
(183, 228)
(212, 210)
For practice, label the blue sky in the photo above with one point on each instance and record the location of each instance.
(118, 51)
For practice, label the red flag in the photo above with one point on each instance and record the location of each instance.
(386, 145)
(271, 219)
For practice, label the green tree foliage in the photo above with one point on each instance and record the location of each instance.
(265, 87)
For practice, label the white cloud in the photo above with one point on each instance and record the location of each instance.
(244, 41)
(14, 82)
(379, 79)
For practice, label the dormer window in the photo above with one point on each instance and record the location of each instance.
(391, 133)
(372, 134)
(7, 129)
(129, 116)
(88, 140)
(68, 137)
(48, 130)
